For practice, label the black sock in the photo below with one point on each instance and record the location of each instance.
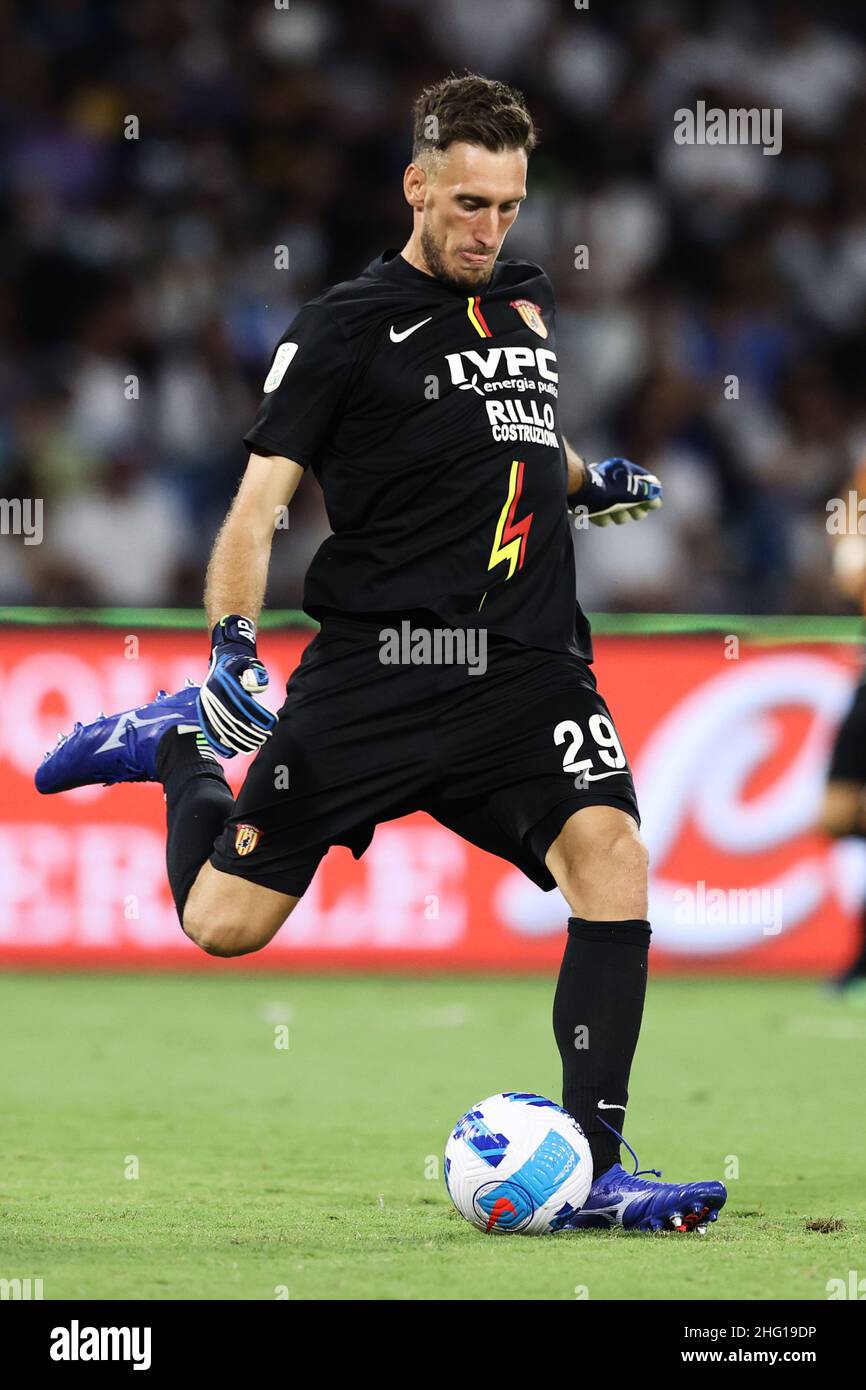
(597, 1014)
(198, 802)
(857, 965)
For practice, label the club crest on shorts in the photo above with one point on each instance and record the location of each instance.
(531, 315)
(246, 839)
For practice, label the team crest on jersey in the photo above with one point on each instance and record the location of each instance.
(246, 839)
(531, 315)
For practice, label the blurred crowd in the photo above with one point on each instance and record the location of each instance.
(154, 156)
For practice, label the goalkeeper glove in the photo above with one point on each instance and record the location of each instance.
(233, 721)
(616, 490)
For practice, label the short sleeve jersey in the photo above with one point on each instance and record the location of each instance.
(429, 417)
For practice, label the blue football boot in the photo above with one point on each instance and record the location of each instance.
(118, 747)
(618, 1198)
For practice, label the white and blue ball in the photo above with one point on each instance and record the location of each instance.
(518, 1163)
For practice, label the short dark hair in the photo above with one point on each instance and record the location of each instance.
(473, 108)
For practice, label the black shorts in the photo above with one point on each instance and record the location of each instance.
(502, 757)
(848, 759)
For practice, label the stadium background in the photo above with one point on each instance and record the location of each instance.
(266, 163)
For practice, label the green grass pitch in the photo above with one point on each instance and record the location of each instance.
(314, 1171)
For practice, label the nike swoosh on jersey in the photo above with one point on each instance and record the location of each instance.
(398, 337)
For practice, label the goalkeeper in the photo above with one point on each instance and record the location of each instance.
(423, 396)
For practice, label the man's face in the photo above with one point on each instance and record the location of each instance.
(464, 204)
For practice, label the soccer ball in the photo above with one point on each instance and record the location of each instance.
(517, 1162)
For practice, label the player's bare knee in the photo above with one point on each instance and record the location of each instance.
(622, 852)
(221, 936)
(836, 826)
(842, 811)
(610, 880)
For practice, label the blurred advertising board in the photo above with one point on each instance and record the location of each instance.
(728, 741)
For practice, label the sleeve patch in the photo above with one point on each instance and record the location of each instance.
(284, 354)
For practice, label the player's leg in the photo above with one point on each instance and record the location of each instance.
(599, 863)
(224, 914)
(843, 815)
(843, 811)
(537, 742)
(230, 916)
(537, 748)
(162, 742)
(238, 868)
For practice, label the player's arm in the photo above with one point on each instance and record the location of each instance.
(238, 569)
(302, 397)
(615, 490)
(849, 568)
(577, 468)
(849, 551)
(231, 717)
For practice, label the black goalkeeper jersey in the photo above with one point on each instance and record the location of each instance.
(429, 417)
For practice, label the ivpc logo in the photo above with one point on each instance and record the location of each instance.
(486, 364)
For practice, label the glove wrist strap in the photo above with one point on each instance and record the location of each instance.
(234, 627)
(589, 492)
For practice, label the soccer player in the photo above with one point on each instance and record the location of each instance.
(843, 812)
(423, 396)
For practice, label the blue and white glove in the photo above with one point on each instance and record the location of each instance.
(231, 718)
(616, 490)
